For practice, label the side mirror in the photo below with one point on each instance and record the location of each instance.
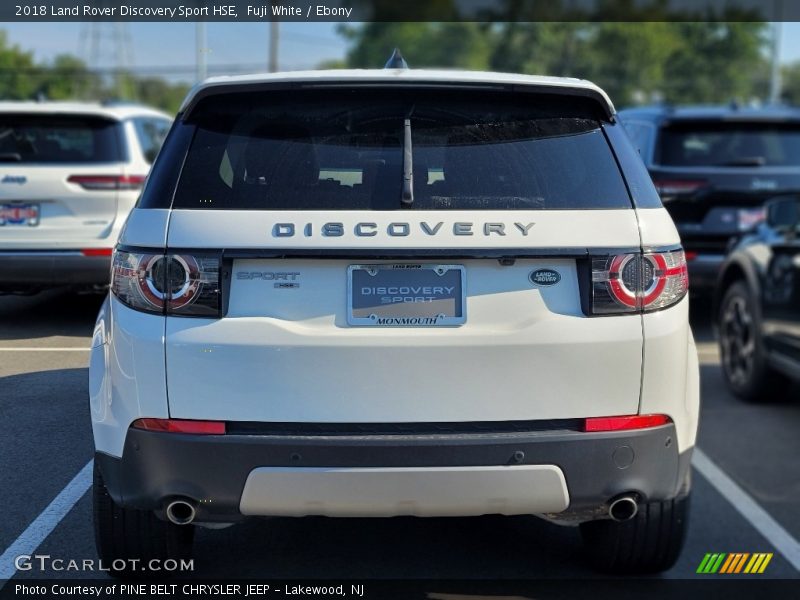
(783, 213)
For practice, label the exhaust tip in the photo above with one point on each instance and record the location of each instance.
(180, 512)
(623, 508)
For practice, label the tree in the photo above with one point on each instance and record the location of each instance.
(634, 61)
(67, 77)
(463, 45)
(157, 92)
(16, 71)
(791, 84)
(716, 62)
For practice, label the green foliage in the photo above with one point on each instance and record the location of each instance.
(791, 83)
(680, 62)
(716, 62)
(154, 91)
(16, 66)
(463, 45)
(67, 77)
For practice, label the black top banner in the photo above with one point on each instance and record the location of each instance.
(399, 10)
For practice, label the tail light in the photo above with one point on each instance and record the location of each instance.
(749, 218)
(628, 283)
(173, 284)
(668, 188)
(108, 182)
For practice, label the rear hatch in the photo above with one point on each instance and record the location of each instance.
(715, 175)
(59, 175)
(400, 256)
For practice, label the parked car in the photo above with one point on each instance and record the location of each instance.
(714, 167)
(396, 292)
(758, 306)
(69, 175)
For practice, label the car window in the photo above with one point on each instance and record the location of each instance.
(345, 151)
(729, 144)
(151, 134)
(34, 138)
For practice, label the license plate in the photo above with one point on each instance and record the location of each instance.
(405, 295)
(19, 214)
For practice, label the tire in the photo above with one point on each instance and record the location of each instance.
(742, 353)
(128, 534)
(650, 542)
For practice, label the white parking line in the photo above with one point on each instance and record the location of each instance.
(46, 522)
(45, 349)
(759, 518)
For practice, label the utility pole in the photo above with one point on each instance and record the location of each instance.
(272, 59)
(775, 76)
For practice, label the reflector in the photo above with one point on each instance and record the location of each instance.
(181, 426)
(625, 422)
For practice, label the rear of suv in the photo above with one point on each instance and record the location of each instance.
(396, 292)
(69, 175)
(715, 167)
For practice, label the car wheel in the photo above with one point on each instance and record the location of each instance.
(124, 534)
(649, 542)
(742, 354)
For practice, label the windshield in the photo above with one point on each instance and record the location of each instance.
(726, 144)
(317, 151)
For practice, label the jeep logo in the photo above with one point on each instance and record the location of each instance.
(545, 277)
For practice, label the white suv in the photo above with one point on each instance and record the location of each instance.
(396, 292)
(69, 175)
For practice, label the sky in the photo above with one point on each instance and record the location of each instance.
(169, 48)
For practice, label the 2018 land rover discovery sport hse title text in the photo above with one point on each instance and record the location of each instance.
(396, 292)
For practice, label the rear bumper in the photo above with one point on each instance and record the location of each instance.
(568, 475)
(21, 270)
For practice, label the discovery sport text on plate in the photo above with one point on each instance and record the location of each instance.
(396, 292)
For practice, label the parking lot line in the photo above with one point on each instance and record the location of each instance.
(759, 518)
(46, 522)
(44, 349)
(50, 517)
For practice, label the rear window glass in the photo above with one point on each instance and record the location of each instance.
(58, 139)
(727, 144)
(339, 150)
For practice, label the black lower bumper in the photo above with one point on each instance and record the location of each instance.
(212, 470)
(21, 271)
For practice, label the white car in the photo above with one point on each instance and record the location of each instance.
(69, 175)
(396, 292)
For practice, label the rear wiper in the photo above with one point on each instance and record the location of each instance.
(407, 195)
(745, 161)
(10, 157)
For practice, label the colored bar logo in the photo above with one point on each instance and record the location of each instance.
(734, 562)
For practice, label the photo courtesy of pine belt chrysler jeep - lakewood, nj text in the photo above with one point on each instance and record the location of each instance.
(396, 292)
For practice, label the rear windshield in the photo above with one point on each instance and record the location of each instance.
(58, 139)
(727, 144)
(337, 150)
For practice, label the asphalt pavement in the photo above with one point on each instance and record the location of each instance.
(745, 492)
